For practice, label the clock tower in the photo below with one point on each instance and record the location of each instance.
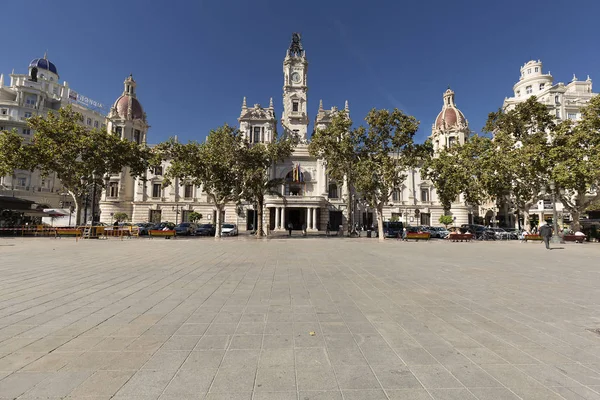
(295, 67)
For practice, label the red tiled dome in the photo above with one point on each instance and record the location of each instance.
(450, 115)
(122, 105)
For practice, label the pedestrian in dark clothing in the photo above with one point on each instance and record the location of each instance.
(546, 234)
(290, 227)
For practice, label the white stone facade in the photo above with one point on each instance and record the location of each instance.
(564, 101)
(26, 95)
(311, 199)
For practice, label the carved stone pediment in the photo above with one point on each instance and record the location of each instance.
(258, 113)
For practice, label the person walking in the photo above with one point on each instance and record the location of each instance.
(546, 234)
(290, 227)
(328, 229)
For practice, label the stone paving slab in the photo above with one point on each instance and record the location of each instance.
(298, 319)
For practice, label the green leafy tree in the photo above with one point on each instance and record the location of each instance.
(338, 145)
(457, 170)
(194, 216)
(77, 155)
(385, 153)
(120, 217)
(216, 165)
(256, 161)
(517, 165)
(446, 220)
(14, 153)
(575, 161)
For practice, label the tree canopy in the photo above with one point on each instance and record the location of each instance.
(337, 144)
(385, 153)
(216, 165)
(575, 160)
(256, 162)
(77, 155)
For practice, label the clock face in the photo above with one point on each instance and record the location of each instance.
(295, 77)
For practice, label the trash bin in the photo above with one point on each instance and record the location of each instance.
(369, 233)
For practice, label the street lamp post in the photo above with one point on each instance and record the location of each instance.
(176, 209)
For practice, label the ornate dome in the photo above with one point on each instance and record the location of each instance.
(123, 104)
(127, 105)
(450, 116)
(43, 63)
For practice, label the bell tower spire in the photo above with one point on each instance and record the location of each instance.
(295, 68)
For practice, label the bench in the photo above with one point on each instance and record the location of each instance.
(532, 237)
(60, 232)
(459, 237)
(417, 236)
(160, 233)
(574, 238)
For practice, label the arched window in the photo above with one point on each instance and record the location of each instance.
(396, 195)
(333, 190)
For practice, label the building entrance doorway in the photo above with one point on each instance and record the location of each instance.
(368, 219)
(295, 216)
(251, 220)
(336, 218)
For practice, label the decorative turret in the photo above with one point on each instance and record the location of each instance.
(450, 116)
(258, 124)
(296, 49)
(127, 106)
(450, 127)
(295, 88)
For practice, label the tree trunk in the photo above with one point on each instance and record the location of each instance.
(77, 202)
(259, 219)
(526, 224)
(575, 225)
(219, 222)
(350, 210)
(380, 222)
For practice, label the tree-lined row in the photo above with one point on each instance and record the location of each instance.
(527, 157)
(527, 151)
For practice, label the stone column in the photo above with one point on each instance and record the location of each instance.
(276, 218)
(308, 209)
(283, 226)
(314, 218)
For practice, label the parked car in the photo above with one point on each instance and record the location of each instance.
(205, 230)
(390, 229)
(438, 232)
(515, 233)
(143, 227)
(161, 225)
(229, 230)
(185, 229)
(476, 230)
(501, 234)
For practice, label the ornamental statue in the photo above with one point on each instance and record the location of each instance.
(296, 45)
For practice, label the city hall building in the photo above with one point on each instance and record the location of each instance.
(311, 199)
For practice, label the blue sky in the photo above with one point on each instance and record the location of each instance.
(195, 60)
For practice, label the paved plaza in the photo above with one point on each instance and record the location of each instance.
(297, 319)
